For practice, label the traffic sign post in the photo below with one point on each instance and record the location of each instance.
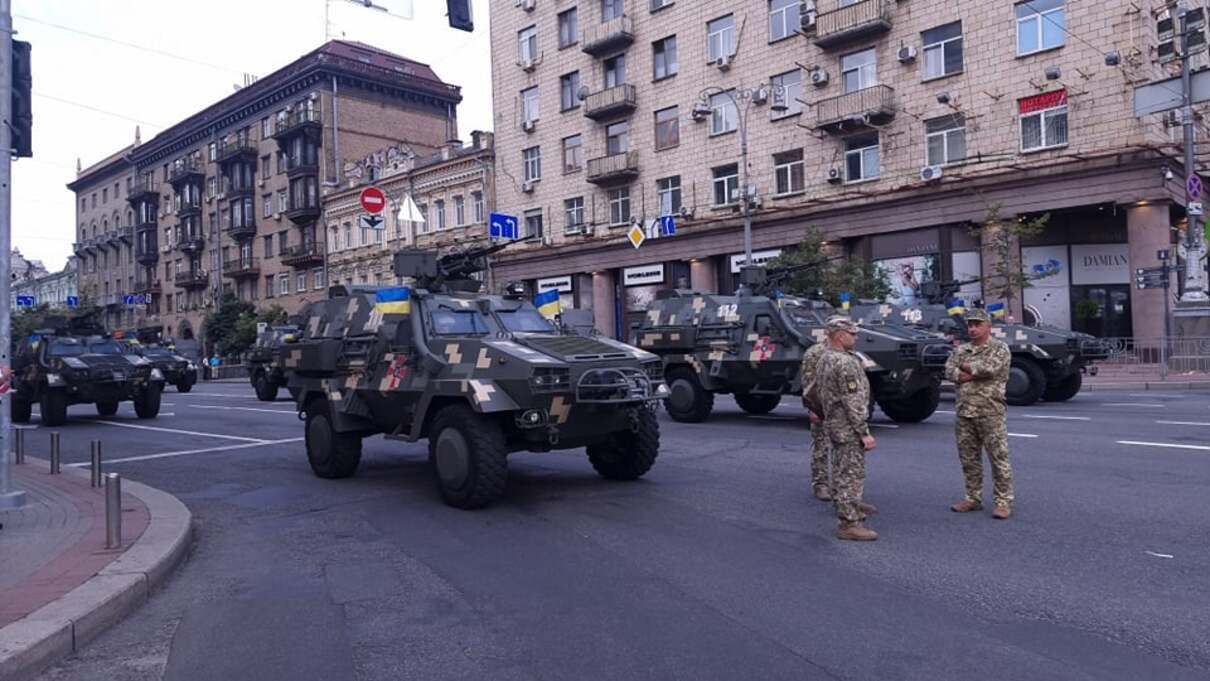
(503, 226)
(373, 200)
(371, 222)
(73, 301)
(1193, 186)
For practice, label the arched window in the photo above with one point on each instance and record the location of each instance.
(94, 230)
(130, 218)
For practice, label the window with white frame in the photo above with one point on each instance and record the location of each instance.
(723, 115)
(667, 128)
(945, 140)
(720, 38)
(459, 210)
(614, 70)
(573, 212)
(529, 104)
(619, 205)
(789, 172)
(282, 199)
(477, 200)
(1043, 120)
(1041, 25)
(787, 89)
(663, 58)
(569, 91)
(573, 154)
(668, 191)
(317, 278)
(617, 138)
(266, 128)
(726, 185)
(861, 158)
(439, 213)
(783, 19)
(283, 284)
(422, 226)
(568, 28)
(531, 164)
(348, 235)
(266, 202)
(858, 70)
(533, 223)
(610, 9)
(942, 50)
(300, 282)
(527, 44)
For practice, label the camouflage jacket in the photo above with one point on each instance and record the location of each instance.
(989, 363)
(844, 392)
(810, 362)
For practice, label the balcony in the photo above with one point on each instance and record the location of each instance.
(243, 231)
(191, 279)
(302, 215)
(143, 189)
(147, 286)
(302, 255)
(240, 192)
(608, 36)
(89, 245)
(855, 110)
(240, 147)
(147, 257)
(611, 102)
(112, 300)
(241, 267)
(188, 209)
(613, 169)
(77, 247)
(191, 244)
(843, 25)
(305, 121)
(186, 171)
(299, 168)
(126, 234)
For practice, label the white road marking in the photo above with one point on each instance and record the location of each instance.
(1152, 405)
(183, 432)
(1152, 395)
(1057, 418)
(187, 452)
(20, 427)
(1184, 423)
(943, 411)
(884, 425)
(1159, 555)
(1168, 445)
(291, 412)
(1022, 435)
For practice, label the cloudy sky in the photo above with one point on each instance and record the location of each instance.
(101, 67)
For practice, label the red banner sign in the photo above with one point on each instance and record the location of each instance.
(1046, 100)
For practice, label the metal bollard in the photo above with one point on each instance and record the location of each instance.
(95, 456)
(55, 468)
(113, 511)
(19, 446)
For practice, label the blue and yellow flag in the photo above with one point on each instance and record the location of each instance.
(397, 300)
(844, 301)
(956, 306)
(547, 302)
(996, 310)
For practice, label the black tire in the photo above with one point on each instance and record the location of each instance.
(54, 407)
(266, 390)
(913, 409)
(147, 401)
(688, 401)
(331, 454)
(468, 456)
(22, 410)
(184, 386)
(1026, 382)
(629, 454)
(757, 404)
(107, 408)
(1065, 389)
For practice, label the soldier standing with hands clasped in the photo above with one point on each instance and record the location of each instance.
(979, 369)
(819, 439)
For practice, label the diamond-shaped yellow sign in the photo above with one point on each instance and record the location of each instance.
(636, 235)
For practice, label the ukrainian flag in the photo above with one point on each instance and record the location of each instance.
(396, 300)
(844, 301)
(547, 302)
(996, 310)
(957, 306)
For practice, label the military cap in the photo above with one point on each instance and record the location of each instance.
(841, 323)
(977, 315)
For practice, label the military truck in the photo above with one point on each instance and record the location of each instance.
(70, 364)
(149, 342)
(265, 368)
(1048, 362)
(477, 376)
(750, 345)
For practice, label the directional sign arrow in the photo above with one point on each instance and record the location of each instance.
(371, 222)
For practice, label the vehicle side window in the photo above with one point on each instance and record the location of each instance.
(763, 325)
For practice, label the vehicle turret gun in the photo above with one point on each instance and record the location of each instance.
(453, 271)
(941, 292)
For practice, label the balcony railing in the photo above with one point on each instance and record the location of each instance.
(143, 189)
(191, 244)
(302, 214)
(188, 208)
(191, 279)
(147, 286)
(241, 267)
(599, 39)
(185, 172)
(613, 168)
(147, 257)
(613, 101)
(302, 255)
(236, 147)
(856, 109)
(242, 231)
(126, 233)
(852, 22)
(297, 121)
(78, 247)
(296, 168)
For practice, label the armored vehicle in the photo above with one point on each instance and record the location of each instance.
(148, 342)
(64, 365)
(751, 345)
(477, 376)
(265, 368)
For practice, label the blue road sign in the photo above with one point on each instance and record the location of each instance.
(503, 226)
(667, 225)
(128, 299)
(73, 301)
(26, 301)
(1193, 186)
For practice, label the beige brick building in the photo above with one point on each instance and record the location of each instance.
(904, 121)
(230, 199)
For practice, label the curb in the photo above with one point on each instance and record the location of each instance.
(62, 627)
(1147, 385)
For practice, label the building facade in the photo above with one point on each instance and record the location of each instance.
(440, 200)
(889, 126)
(230, 199)
(49, 288)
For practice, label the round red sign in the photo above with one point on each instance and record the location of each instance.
(373, 200)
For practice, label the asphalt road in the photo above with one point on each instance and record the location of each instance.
(717, 565)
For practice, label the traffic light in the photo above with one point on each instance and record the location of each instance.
(459, 12)
(22, 106)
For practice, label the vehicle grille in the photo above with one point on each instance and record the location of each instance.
(576, 348)
(907, 351)
(613, 385)
(934, 355)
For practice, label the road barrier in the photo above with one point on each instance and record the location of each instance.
(55, 459)
(1134, 356)
(95, 459)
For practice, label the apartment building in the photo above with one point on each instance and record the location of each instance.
(439, 200)
(104, 246)
(48, 288)
(230, 199)
(889, 125)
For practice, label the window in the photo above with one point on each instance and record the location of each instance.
(610, 9)
(423, 226)
(723, 116)
(104, 195)
(439, 209)
(573, 209)
(533, 223)
(787, 89)
(720, 38)
(942, 50)
(264, 167)
(668, 189)
(783, 19)
(348, 230)
(317, 278)
(266, 202)
(619, 206)
(617, 138)
(788, 172)
(569, 91)
(459, 210)
(660, 4)
(300, 282)
(615, 70)
(281, 200)
(861, 158)
(268, 246)
(364, 238)
(573, 154)
(527, 44)
(663, 58)
(726, 185)
(213, 150)
(568, 28)
(266, 128)
(945, 140)
(858, 70)
(1040, 25)
(477, 201)
(529, 104)
(1043, 120)
(283, 284)
(279, 166)
(531, 163)
(667, 128)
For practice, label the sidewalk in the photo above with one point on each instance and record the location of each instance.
(59, 586)
(1144, 377)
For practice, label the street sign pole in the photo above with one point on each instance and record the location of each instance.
(1195, 242)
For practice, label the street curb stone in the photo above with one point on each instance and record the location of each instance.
(62, 627)
(1147, 385)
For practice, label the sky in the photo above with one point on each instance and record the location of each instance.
(101, 67)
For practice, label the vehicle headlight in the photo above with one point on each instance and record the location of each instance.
(191, 366)
(550, 379)
(157, 375)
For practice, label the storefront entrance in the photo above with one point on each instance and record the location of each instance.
(1102, 310)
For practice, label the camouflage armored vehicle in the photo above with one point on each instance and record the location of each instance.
(148, 342)
(265, 368)
(477, 376)
(1048, 362)
(751, 345)
(65, 365)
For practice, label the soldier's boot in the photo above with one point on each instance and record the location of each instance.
(855, 532)
(823, 493)
(966, 506)
(868, 509)
(1002, 512)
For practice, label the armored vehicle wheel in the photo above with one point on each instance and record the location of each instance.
(688, 401)
(184, 387)
(54, 407)
(915, 408)
(468, 456)
(757, 404)
(629, 454)
(147, 402)
(1065, 389)
(107, 408)
(266, 391)
(1026, 382)
(331, 454)
(22, 410)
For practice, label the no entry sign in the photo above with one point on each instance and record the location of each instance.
(373, 200)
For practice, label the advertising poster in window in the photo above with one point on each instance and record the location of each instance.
(904, 276)
(1100, 264)
(966, 265)
(1048, 299)
(639, 297)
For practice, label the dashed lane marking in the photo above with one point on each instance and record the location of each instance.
(884, 425)
(1166, 445)
(1152, 405)
(1022, 435)
(187, 452)
(1056, 418)
(1184, 423)
(943, 411)
(182, 432)
(291, 412)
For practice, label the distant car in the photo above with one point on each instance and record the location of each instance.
(177, 370)
(265, 370)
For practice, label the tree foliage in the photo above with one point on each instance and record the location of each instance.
(1000, 241)
(833, 276)
(223, 332)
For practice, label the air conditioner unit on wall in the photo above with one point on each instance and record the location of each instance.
(760, 95)
(724, 62)
(819, 77)
(527, 187)
(528, 5)
(529, 126)
(907, 53)
(528, 65)
(930, 173)
(806, 22)
(835, 176)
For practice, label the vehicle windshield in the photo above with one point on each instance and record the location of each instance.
(447, 322)
(65, 348)
(106, 347)
(525, 319)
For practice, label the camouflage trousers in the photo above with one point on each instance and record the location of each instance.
(820, 445)
(848, 479)
(990, 433)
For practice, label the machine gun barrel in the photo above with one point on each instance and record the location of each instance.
(462, 264)
(776, 275)
(939, 292)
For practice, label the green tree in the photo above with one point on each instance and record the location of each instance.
(273, 315)
(1000, 241)
(222, 334)
(25, 322)
(832, 276)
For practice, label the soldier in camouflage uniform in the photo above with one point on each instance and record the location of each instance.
(819, 439)
(979, 369)
(843, 392)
